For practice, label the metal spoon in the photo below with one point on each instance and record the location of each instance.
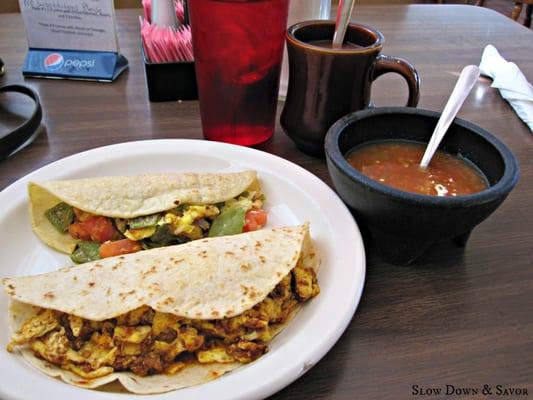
(465, 83)
(344, 13)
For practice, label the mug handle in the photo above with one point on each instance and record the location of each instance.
(385, 64)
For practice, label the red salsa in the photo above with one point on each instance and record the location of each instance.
(396, 164)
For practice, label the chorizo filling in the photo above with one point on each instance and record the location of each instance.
(146, 342)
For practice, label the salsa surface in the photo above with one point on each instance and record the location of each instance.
(396, 164)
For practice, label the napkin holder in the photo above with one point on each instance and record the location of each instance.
(170, 81)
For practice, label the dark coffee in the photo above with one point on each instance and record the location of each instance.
(328, 44)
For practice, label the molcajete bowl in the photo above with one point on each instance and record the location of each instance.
(404, 225)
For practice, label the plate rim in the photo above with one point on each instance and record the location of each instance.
(292, 370)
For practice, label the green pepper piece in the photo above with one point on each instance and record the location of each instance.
(164, 236)
(182, 207)
(60, 216)
(85, 252)
(229, 222)
(144, 221)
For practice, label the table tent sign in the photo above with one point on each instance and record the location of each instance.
(72, 39)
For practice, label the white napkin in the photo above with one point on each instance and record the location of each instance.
(511, 82)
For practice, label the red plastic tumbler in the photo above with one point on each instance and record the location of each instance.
(238, 47)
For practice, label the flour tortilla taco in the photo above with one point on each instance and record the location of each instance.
(165, 318)
(102, 217)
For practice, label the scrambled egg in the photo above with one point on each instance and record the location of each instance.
(174, 368)
(215, 354)
(53, 347)
(132, 334)
(164, 321)
(247, 200)
(140, 233)
(191, 339)
(169, 351)
(134, 317)
(184, 225)
(34, 327)
(98, 352)
(102, 371)
(76, 323)
(306, 285)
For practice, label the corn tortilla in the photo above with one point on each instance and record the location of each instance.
(128, 197)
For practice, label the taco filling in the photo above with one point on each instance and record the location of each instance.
(146, 342)
(91, 233)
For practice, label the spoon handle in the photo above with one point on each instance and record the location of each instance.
(465, 83)
(344, 13)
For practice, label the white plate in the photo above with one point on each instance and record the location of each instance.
(293, 196)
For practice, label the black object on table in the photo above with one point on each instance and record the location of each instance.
(11, 141)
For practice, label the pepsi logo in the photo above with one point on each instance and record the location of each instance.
(53, 61)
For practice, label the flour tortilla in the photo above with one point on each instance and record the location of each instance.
(128, 197)
(205, 279)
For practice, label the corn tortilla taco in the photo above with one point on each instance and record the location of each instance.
(164, 318)
(107, 216)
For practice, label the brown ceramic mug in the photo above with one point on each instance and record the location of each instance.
(327, 83)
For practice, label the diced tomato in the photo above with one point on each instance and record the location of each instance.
(118, 247)
(95, 228)
(81, 215)
(101, 228)
(78, 231)
(254, 220)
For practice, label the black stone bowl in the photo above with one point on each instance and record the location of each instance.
(404, 225)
